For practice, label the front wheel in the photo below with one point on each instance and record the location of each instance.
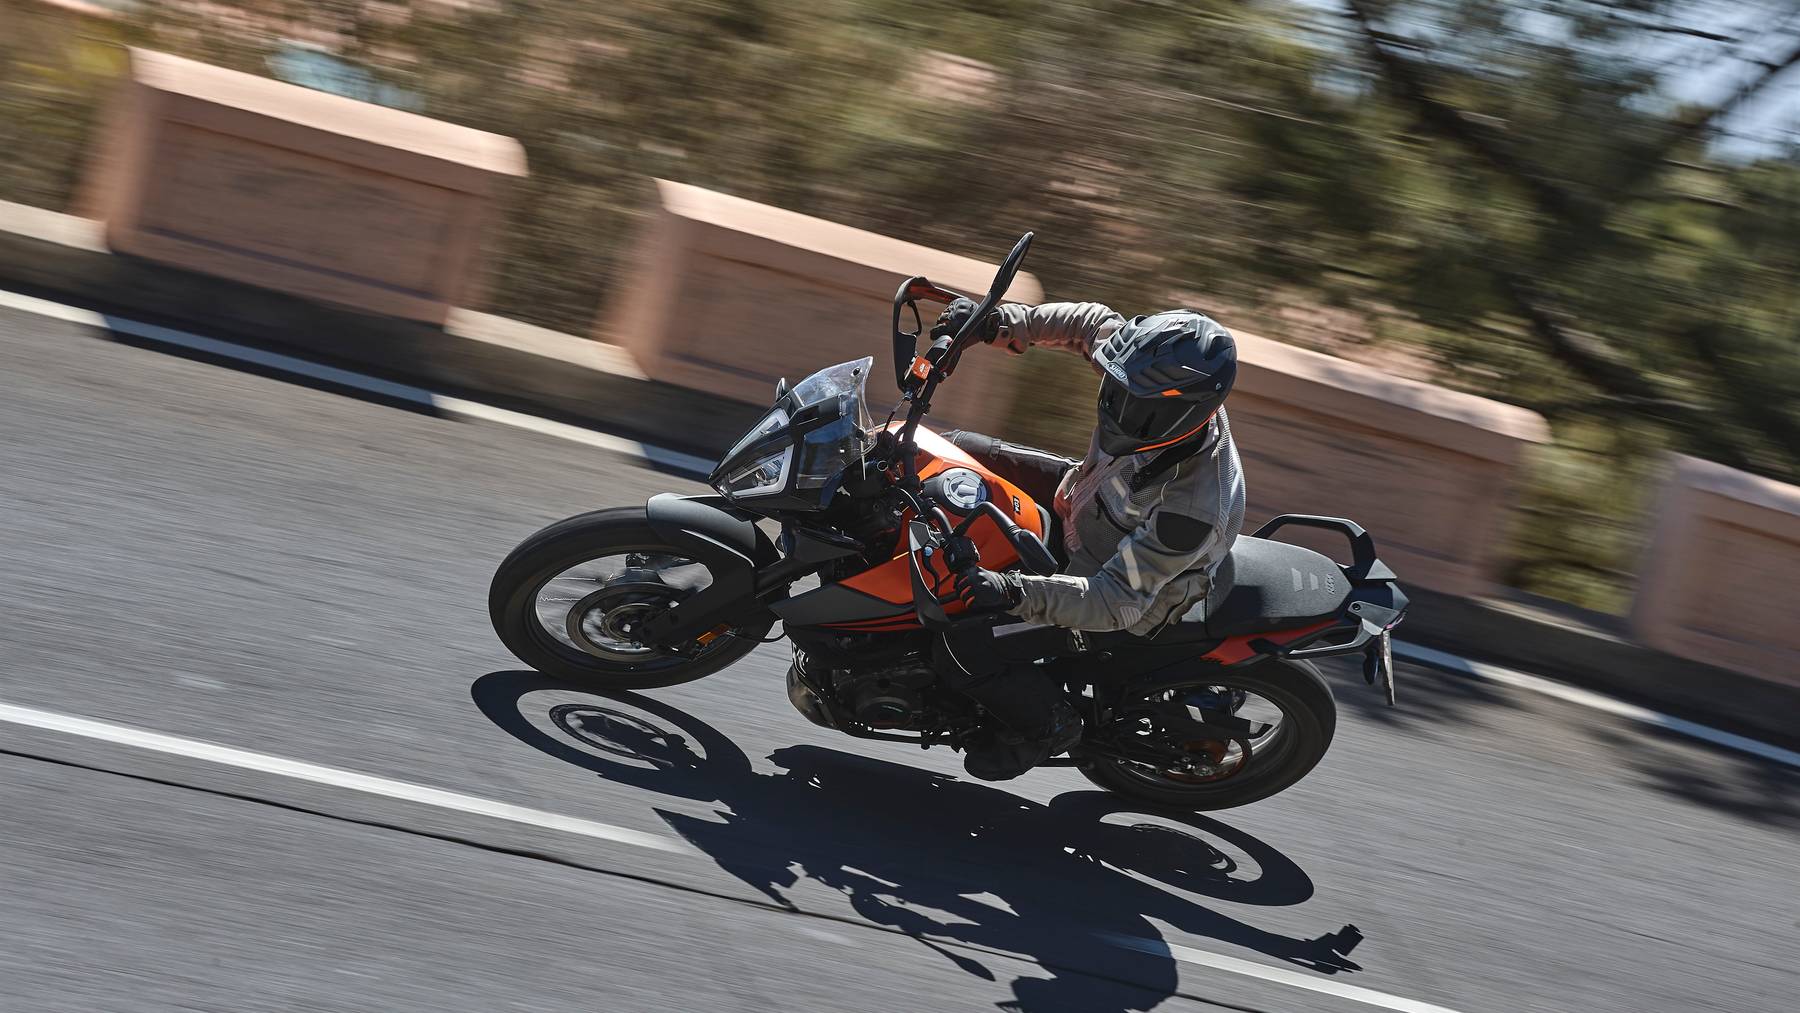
(569, 599)
(1215, 739)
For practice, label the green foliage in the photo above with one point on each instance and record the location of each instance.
(55, 73)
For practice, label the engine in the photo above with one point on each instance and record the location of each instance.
(887, 694)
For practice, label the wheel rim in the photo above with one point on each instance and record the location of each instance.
(590, 611)
(1201, 735)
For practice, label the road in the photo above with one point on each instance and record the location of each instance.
(207, 553)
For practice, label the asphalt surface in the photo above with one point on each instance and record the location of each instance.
(199, 551)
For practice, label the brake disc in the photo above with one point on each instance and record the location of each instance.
(603, 623)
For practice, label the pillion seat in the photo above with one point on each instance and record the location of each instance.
(1263, 586)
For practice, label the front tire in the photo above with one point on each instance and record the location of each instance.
(593, 647)
(1291, 750)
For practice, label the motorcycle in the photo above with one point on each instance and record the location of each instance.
(1219, 708)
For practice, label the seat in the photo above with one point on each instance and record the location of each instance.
(1263, 586)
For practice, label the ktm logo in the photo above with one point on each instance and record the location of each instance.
(1308, 581)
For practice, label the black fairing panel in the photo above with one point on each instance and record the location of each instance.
(1264, 586)
(835, 603)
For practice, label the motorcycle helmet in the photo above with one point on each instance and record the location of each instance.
(1164, 376)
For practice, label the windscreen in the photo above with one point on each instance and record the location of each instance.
(827, 450)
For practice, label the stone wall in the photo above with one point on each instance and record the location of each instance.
(1430, 472)
(295, 190)
(727, 296)
(1717, 579)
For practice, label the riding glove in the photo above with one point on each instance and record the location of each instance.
(951, 321)
(987, 591)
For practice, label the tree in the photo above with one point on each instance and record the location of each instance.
(1623, 270)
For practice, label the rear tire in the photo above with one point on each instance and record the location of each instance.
(513, 605)
(1309, 720)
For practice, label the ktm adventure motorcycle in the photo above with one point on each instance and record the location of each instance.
(1218, 709)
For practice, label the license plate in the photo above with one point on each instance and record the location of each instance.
(1384, 666)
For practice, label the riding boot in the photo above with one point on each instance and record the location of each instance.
(1007, 753)
(1036, 721)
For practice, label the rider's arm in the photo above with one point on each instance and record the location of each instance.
(1078, 326)
(1160, 549)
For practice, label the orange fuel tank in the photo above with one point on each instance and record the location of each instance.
(883, 594)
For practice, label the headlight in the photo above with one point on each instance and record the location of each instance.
(766, 474)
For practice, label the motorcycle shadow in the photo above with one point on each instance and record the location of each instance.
(960, 866)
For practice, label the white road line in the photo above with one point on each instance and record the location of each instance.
(222, 349)
(671, 459)
(299, 770)
(1266, 972)
(451, 407)
(676, 461)
(405, 791)
(1596, 701)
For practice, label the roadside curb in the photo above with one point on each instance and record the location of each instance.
(1593, 652)
(1593, 700)
(503, 362)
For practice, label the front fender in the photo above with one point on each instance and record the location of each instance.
(709, 530)
(713, 520)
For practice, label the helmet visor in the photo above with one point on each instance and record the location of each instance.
(1133, 424)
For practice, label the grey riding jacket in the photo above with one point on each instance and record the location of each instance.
(1141, 554)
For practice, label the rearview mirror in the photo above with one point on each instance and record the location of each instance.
(1034, 555)
(1009, 269)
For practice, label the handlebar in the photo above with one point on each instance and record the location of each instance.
(919, 287)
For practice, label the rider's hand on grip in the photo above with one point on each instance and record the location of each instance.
(950, 322)
(987, 591)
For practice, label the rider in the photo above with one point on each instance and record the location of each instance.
(1144, 519)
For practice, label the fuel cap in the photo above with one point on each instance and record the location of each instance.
(958, 489)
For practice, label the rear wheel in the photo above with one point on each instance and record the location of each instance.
(569, 600)
(1219, 738)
